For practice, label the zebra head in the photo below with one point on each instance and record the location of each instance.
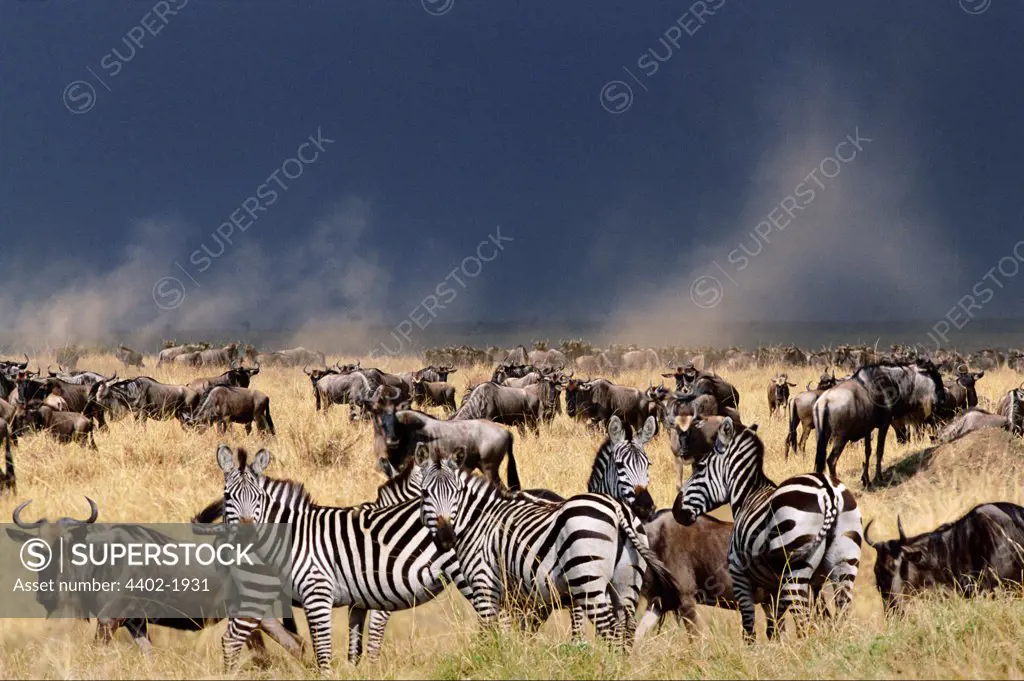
(245, 499)
(442, 484)
(630, 466)
(706, 489)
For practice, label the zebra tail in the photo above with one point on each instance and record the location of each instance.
(664, 587)
(824, 428)
(827, 527)
(513, 472)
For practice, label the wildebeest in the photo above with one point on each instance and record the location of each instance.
(237, 376)
(331, 387)
(778, 393)
(396, 433)
(801, 412)
(129, 357)
(503, 372)
(979, 552)
(872, 399)
(225, 356)
(961, 393)
(147, 397)
(509, 406)
(595, 365)
(433, 393)
(697, 555)
(228, 404)
(970, 421)
(8, 479)
(693, 435)
(435, 373)
(1010, 407)
(293, 357)
(66, 426)
(88, 603)
(598, 400)
(168, 355)
(553, 359)
(639, 360)
(81, 398)
(77, 377)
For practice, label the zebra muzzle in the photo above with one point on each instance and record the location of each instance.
(445, 536)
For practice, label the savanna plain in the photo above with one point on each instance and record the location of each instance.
(162, 473)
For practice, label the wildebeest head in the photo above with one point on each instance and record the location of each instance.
(383, 405)
(926, 368)
(50, 534)
(967, 378)
(900, 567)
(684, 375)
(780, 388)
(240, 376)
(577, 396)
(826, 381)
(347, 368)
(316, 374)
(443, 371)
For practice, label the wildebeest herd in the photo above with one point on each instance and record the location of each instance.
(518, 554)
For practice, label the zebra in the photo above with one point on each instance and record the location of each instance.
(786, 537)
(364, 557)
(588, 552)
(621, 466)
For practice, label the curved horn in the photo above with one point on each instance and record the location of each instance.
(899, 525)
(94, 513)
(24, 364)
(963, 368)
(21, 523)
(809, 385)
(48, 370)
(867, 536)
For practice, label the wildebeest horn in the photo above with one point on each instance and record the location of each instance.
(94, 513)
(48, 370)
(899, 526)
(963, 369)
(304, 367)
(392, 393)
(867, 536)
(21, 523)
(809, 385)
(24, 364)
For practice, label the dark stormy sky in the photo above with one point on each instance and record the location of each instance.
(131, 131)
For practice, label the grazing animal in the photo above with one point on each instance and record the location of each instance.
(8, 479)
(225, 405)
(801, 412)
(237, 376)
(397, 432)
(293, 357)
(600, 399)
(331, 387)
(697, 555)
(553, 359)
(365, 557)
(694, 436)
(588, 553)
(433, 393)
(129, 357)
(169, 355)
(66, 426)
(639, 360)
(508, 406)
(778, 393)
(146, 398)
(621, 466)
(787, 538)
(979, 552)
(595, 364)
(225, 356)
(872, 399)
(968, 422)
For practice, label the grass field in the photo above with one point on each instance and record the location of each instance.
(162, 473)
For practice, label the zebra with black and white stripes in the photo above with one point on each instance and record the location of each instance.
(370, 559)
(788, 539)
(621, 467)
(588, 552)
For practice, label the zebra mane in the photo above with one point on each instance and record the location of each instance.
(403, 475)
(482, 483)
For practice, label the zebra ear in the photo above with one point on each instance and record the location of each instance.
(726, 432)
(225, 458)
(422, 454)
(615, 431)
(260, 462)
(650, 426)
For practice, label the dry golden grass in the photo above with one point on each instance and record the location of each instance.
(162, 473)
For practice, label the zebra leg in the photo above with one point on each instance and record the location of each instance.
(318, 613)
(577, 616)
(601, 613)
(794, 596)
(775, 614)
(238, 632)
(356, 619)
(375, 633)
(628, 626)
(744, 592)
